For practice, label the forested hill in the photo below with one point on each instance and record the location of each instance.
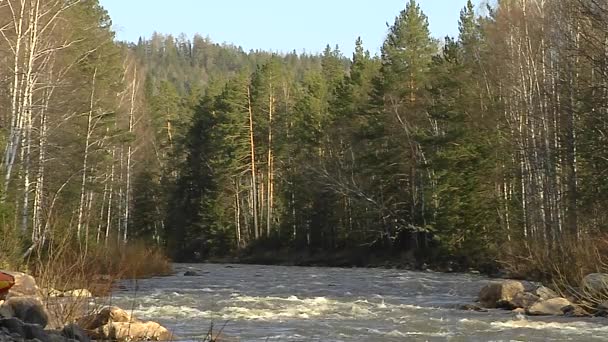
(490, 146)
(484, 146)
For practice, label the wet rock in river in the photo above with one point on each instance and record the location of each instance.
(190, 274)
(575, 311)
(551, 307)
(545, 293)
(519, 311)
(499, 294)
(472, 307)
(523, 300)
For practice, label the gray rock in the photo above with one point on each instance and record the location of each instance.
(519, 311)
(551, 307)
(35, 332)
(524, 300)
(26, 309)
(545, 293)
(471, 307)
(575, 311)
(499, 294)
(190, 274)
(75, 332)
(595, 284)
(12, 326)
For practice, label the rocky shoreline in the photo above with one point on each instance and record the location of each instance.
(29, 313)
(590, 299)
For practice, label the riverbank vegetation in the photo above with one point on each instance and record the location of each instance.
(485, 150)
(74, 131)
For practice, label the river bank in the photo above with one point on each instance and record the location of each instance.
(363, 258)
(32, 313)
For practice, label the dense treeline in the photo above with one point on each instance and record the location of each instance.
(484, 145)
(489, 145)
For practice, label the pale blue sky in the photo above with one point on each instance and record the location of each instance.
(276, 25)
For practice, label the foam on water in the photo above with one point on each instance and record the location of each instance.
(310, 304)
(577, 327)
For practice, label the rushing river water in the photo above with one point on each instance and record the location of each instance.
(271, 303)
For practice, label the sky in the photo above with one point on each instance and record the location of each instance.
(276, 25)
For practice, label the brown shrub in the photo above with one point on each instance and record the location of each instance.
(562, 266)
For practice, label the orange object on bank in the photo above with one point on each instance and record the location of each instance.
(6, 282)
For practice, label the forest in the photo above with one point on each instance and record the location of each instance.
(490, 148)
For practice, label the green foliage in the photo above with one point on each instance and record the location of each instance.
(437, 151)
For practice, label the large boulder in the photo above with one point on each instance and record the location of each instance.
(545, 293)
(134, 331)
(500, 294)
(26, 309)
(596, 284)
(74, 332)
(25, 285)
(524, 300)
(26, 331)
(550, 307)
(113, 323)
(106, 315)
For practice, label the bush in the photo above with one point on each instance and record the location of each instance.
(564, 266)
(11, 251)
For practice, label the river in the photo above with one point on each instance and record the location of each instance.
(273, 303)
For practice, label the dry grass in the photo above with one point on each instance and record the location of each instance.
(11, 253)
(63, 265)
(562, 267)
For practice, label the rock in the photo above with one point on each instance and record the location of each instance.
(601, 310)
(523, 300)
(35, 332)
(53, 293)
(12, 326)
(134, 331)
(190, 274)
(25, 285)
(519, 311)
(113, 323)
(595, 284)
(27, 309)
(545, 293)
(471, 307)
(75, 332)
(574, 311)
(499, 294)
(79, 293)
(105, 316)
(550, 307)
(102, 277)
